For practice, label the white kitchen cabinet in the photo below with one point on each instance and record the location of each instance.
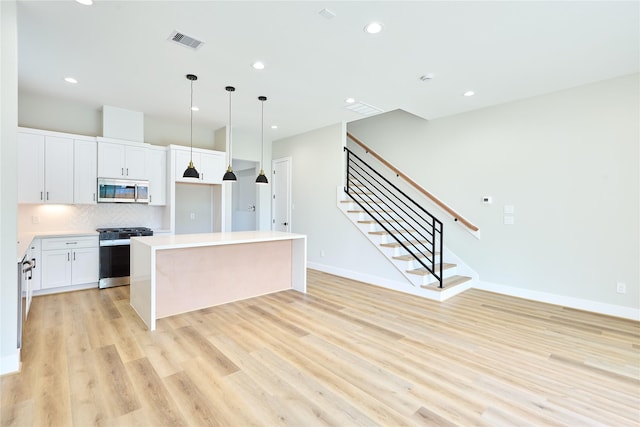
(85, 171)
(67, 261)
(122, 160)
(208, 163)
(46, 168)
(157, 158)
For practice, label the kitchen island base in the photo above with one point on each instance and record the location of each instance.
(176, 274)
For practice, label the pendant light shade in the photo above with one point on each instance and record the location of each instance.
(229, 175)
(190, 171)
(262, 178)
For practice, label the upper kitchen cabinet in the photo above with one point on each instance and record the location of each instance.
(122, 159)
(85, 171)
(157, 158)
(46, 167)
(208, 163)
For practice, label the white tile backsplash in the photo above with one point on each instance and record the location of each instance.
(39, 218)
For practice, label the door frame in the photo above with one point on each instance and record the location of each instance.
(287, 161)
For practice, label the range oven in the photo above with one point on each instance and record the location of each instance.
(114, 254)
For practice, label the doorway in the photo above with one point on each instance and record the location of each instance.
(281, 195)
(243, 197)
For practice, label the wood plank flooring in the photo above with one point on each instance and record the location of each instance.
(345, 354)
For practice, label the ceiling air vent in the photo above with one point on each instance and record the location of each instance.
(185, 40)
(364, 109)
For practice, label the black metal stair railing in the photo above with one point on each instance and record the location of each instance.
(409, 224)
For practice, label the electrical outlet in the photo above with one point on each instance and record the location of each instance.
(621, 288)
(192, 215)
(35, 219)
(322, 252)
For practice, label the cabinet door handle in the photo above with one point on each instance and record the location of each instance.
(68, 257)
(127, 171)
(41, 195)
(74, 256)
(150, 198)
(47, 195)
(71, 243)
(122, 171)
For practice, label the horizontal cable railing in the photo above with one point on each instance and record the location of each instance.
(411, 226)
(456, 216)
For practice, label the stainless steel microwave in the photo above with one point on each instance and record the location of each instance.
(122, 191)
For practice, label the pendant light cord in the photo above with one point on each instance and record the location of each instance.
(191, 134)
(230, 129)
(262, 138)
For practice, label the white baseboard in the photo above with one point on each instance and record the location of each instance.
(361, 277)
(10, 364)
(565, 301)
(570, 302)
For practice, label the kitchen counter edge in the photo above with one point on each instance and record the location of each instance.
(25, 239)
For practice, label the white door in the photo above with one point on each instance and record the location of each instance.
(281, 187)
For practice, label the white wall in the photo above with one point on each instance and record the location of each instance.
(9, 354)
(44, 112)
(317, 160)
(567, 161)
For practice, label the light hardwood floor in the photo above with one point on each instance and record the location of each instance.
(344, 354)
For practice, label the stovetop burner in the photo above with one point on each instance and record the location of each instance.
(115, 233)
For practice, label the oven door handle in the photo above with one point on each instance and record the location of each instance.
(116, 242)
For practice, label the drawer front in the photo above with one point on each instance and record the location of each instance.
(54, 243)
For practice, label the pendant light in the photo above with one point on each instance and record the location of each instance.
(229, 175)
(262, 178)
(190, 171)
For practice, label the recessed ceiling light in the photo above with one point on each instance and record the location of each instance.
(350, 100)
(373, 28)
(469, 93)
(258, 65)
(274, 126)
(85, 2)
(70, 80)
(195, 108)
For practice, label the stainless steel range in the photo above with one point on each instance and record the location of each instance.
(115, 252)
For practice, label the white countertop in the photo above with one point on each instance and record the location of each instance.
(213, 239)
(25, 239)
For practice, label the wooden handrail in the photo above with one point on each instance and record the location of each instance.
(434, 199)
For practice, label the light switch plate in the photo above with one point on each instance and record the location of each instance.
(509, 209)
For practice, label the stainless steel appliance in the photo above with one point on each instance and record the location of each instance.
(122, 191)
(25, 274)
(114, 254)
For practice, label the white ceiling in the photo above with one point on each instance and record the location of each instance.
(119, 52)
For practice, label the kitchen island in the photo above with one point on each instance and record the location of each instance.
(179, 273)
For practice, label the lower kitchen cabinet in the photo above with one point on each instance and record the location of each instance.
(69, 261)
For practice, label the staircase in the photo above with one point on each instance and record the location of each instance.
(403, 231)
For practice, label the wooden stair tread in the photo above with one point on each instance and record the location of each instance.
(373, 221)
(408, 243)
(424, 272)
(383, 232)
(447, 283)
(361, 211)
(409, 257)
